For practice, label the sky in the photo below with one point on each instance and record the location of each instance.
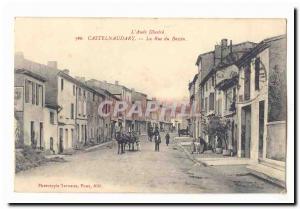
(159, 68)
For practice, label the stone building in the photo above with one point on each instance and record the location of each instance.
(29, 104)
(261, 105)
(140, 101)
(123, 94)
(208, 64)
(101, 128)
(62, 92)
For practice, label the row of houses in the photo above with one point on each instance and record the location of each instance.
(56, 112)
(243, 86)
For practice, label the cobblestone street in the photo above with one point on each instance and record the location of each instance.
(169, 170)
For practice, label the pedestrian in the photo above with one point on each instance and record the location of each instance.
(157, 141)
(119, 141)
(167, 138)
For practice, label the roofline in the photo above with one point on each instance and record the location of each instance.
(31, 74)
(213, 51)
(264, 44)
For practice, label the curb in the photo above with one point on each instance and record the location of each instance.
(190, 156)
(106, 144)
(268, 178)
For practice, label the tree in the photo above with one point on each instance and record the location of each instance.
(277, 94)
(217, 126)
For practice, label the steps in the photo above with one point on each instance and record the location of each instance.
(269, 172)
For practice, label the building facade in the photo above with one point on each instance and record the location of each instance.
(29, 109)
(261, 106)
(208, 65)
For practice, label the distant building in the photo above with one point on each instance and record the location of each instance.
(122, 93)
(101, 129)
(139, 121)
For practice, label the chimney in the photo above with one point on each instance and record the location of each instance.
(116, 82)
(230, 46)
(224, 42)
(52, 64)
(66, 71)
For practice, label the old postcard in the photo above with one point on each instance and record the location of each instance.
(150, 105)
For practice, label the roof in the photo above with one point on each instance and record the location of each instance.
(193, 81)
(100, 91)
(227, 83)
(31, 74)
(138, 96)
(266, 43)
(41, 71)
(238, 50)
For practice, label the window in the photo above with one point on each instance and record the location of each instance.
(27, 91)
(73, 90)
(84, 109)
(79, 108)
(51, 117)
(213, 81)
(211, 101)
(33, 93)
(205, 104)
(219, 106)
(51, 143)
(72, 111)
(234, 95)
(228, 99)
(257, 69)
(32, 134)
(37, 94)
(84, 93)
(206, 87)
(42, 96)
(62, 84)
(67, 137)
(247, 82)
(93, 97)
(79, 91)
(72, 134)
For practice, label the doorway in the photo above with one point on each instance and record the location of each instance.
(41, 135)
(32, 135)
(246, 131)
(261, 128)
(61, 140)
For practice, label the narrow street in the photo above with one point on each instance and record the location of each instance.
(167, 171)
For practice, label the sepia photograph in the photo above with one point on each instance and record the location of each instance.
(150, 105)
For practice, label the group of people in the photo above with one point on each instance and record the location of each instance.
(157, 139)
(130, 138)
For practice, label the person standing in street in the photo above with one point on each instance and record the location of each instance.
(157, 140)
(167, 138)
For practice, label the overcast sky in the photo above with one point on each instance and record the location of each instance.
(160, 69)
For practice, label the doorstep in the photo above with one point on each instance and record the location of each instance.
(276, 176)
(55, 156)
(225, 161)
